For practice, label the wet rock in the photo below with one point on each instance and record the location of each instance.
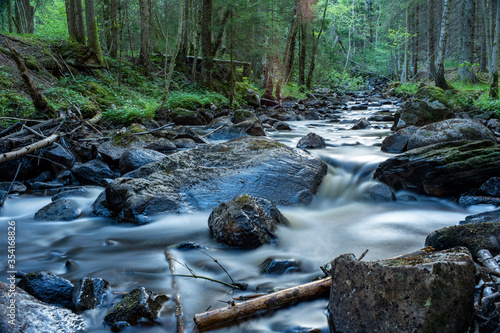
(362, 106)
(419, 113)
(43, 177)
(470, 200)
(121, 141)
(406, 197)
(491, 187)
(204, 177)
(186, 246)
(279, 266)
(43, 186)
(379, 193)
(312, 115)
(382, 116)
(300, 329)
(186, 117)
(8, 169)
(249, 127)
(48, 288)
(184, 132)
(251, 97)
(184, 143)
(494, 125)
(398, 142)
(493, 216)
(59, 210)
(162, 145)
(77, 192)
(412, 294)
(34, 316)
(94, 172)
(59, 154)
(361, 124)
(100, 207)
(245, 222)
(284, 115)
(474, 236)
(135, 158)
(240, 115)
(311, 141)
(17, 187)
(220, 121)
(449, 130)
(139, 304)
(281, 126)
(90, 293)
(119, 326)
(443, 169)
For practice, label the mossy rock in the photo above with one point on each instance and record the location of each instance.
(432, 94)
(182, 116)
(32, 63)
(242, 115)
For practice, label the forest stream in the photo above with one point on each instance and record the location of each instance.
(339, 220)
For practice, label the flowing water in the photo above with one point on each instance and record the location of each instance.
(337, 221)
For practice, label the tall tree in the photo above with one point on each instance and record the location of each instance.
(494, 57)
(430, 38)
(92, 32)
(439, 78)
(206, 41)
(74, 17)
(314, 50)
(465, 70)
(145, 54)
(24, 18)
(110, 13)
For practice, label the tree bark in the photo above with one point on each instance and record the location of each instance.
(430, 36)
(439, 78)
(206, 41)
(302, 53)
(9, 14)
(24, 18)
(466, 70)
(74, 17)
(92, 32)
(314, 50)
(145, 53)
(494, 57)
(113, 47)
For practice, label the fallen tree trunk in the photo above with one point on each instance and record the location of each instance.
(274, 300)
(12, 155)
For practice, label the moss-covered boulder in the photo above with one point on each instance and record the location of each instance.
(428, 292)
(474, 236)
(432, 94)
(123, 140)
(419, 113)
(187, 117)
(139, 304)
(443, 169)
(245, 222)
(204, 177)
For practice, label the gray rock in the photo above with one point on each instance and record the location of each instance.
(249, 127)
(135, 158)
(90, 293)
(59, 210)
(48, 288)
(311, 141)
(162, 145)
(382, 116)
(412, 294)
(94, 172)
(361, 124)
(491, 187)
(204, 177)
(184, 143)
(113, 150)
(137, 305)
(470, 200)
(474, 236)
(184, 132)
(398, 142)
(220, 121)
(8, 169)
(59, 154)
(279, 266)
(493, 216)
(252, 98)
(34, 316)
(281, 126)
(245, 222)
(100, 207)
(419, 113)
(187, 117)
(443, 169)
(311, 115)
(379, 193)
(77, 192)
(449, 130)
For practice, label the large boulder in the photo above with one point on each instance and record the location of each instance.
(491, 187)
(398, 142)
(474, 236)
(138, 305)
(135, 158)
(94, 172)
(245, 222)
(450, 130)
(59, 210)
(311, 141)
(121, 141)
(48, 288)
(419, 113)
(493, 216)
(21, 312)
(443, 169)
(431, 292)
(59, 154)
(186, 117)
(204, 177)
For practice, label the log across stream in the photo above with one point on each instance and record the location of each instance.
(338, 221)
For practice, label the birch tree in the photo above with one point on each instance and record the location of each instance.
(439, 78)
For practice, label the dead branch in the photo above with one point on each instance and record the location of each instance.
(11, 128)
(274, 300)
(154, 130)
(2, 201)
(178, 305)
(12, 155)
(95, 119)
(414, 254)
(487, 260)
(212, 132)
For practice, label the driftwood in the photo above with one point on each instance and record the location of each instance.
(178, 304)
(274, 300)
(487, 260)
(12, 155)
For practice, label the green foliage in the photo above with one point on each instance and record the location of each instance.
(50, 20)
(143, 109)
(485, 103)
(345, 81)
(406, 89)
(292, 89)
(196, 99)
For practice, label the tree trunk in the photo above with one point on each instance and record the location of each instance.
(145, 53)
(494, 57)
(92, 33)
(312, 66)
(9, 14)
(415, 36)
(302, 54)
(404, 74)
(113, 47)
(466, 70)
(184, 46)
(206, 41)
(218, 40)
(430, 36)
(439, 78)
(74, 17)
(289, 55)
(24, 18)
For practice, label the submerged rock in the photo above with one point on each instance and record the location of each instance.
(311, 141)
(90, 293)
(450, 130)
(140, 304)
(59, 210)
(245, 222)
(279, 266)
(48, 288)
(281, 126)
(33, 316)
(433, 292)
(100, 206)
(444, 169)
(204, 177)
(474, 236)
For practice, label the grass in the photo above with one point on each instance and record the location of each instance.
(407, 88)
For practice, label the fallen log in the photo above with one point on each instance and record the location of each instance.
(278, 299)
(12, 155)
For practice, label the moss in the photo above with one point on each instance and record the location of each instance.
(5, 80)
(136, 128)
(432, 94)
(241, 115)
(265, 144)
(243, 200)
(124, 139)
(32, 63)
(184, 113)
